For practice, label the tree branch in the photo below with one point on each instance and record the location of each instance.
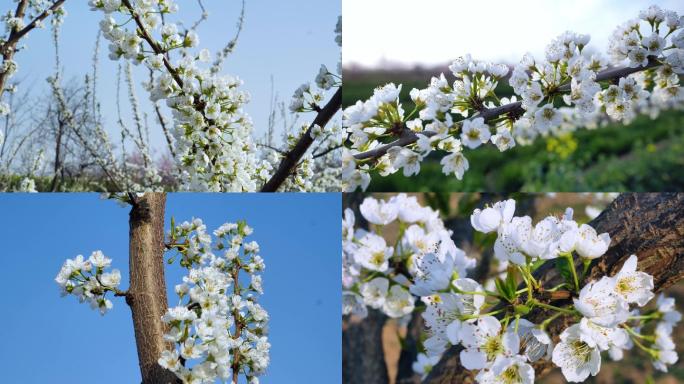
(9, 47)
(290, 160)
(407, 137)
(649, 225)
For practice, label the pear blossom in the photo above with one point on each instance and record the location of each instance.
(378, 212)
(507, 370)
(576, 358)
(430, 274)
(491, 219)
(599, 302)
(484, 343)
(475, 133)
(591, 245)
(399, 302)
(535, 343)
(566, 72)
(633, 286)
(424, 363)
(374, 292)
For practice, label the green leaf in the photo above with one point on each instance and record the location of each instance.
(537, 264)
(501, 288)
(512, 282)
(563, 267)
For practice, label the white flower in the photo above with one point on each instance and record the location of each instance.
(406, 159)
(633, 286)
(169, 360)
(503, 139)
(408, 208)
(374, 292)
(546, 118)
(507, 370)
(454, 163)
(666, 306)
(484, 343)
(111, 280)
(474, 133)
(430, 274)
(99, 260)
(590, 245)
(399, 302)
(541, 240)
(352, 304)
(492, 218)
(507, 246)
(373, 253)
(468, 304)
(576, 358)
(654, 44)
(598, 302)
(532, 96)
(535, 343)
(664, 347)
(381, 213)
(419, 240)
(602, 337)
(424, 363)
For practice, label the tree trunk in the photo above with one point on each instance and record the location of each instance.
(147, 293)
(363, 359)
(649, 225)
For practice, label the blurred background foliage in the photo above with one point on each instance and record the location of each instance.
(645, 155)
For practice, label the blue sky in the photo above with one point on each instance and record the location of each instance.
(49, 339)
(285, 40)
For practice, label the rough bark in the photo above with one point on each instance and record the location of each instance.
(291, 159)
(649, 225)
(363, 359)
(409, 351)
(147, 293)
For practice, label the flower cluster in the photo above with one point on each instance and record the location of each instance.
(568, 89)
(87, 280)
(214, 147)
(423, 259)
(491, 322)
(218, 322)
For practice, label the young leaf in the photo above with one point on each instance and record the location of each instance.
(563, 267)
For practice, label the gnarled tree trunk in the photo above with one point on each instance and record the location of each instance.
(147, 293)
(649, 225)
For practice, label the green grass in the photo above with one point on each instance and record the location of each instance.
(646, 155)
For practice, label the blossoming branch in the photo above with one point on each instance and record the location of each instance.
(569, 88)
(424, 271)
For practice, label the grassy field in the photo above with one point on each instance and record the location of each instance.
(646, 155)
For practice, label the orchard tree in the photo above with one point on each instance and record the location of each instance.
(218, 331)
(566, 90)
(209, 134)
(556, 293)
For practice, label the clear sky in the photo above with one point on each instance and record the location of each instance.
(49, 339)
(283, 40)
(438, 31)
